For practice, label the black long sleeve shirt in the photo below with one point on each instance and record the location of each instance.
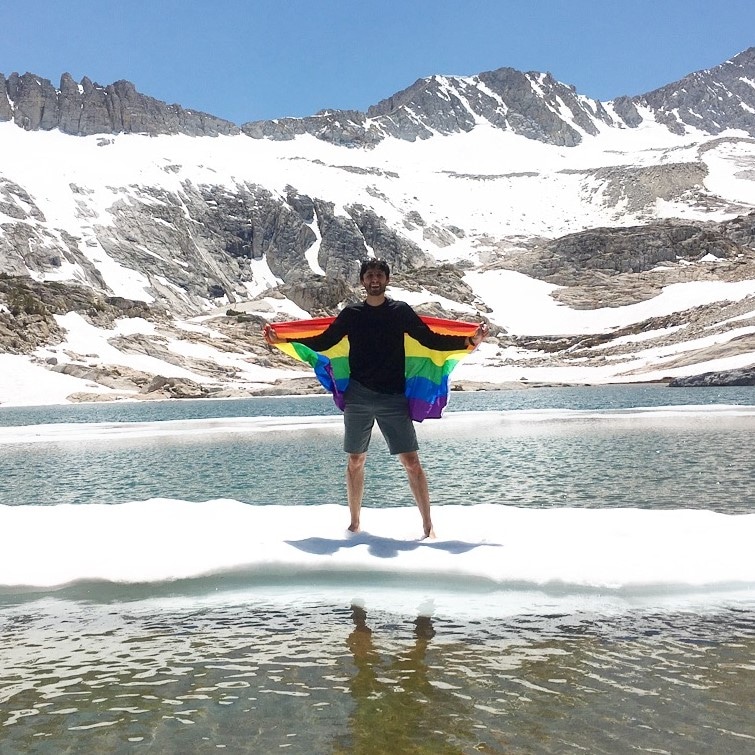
(376, 341)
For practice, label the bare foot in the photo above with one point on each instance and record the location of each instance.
(429, 534)
(354, 527)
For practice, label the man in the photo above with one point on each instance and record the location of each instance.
(375, 328)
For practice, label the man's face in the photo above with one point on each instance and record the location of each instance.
(374, 282)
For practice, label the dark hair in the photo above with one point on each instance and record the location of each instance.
(373, 263)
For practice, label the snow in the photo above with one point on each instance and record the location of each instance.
(728, 176)
(311, 253)
(262, 276)
(414, 298)
(508, 559)
(27, 383)
(524, 306)
(508, 206)
(84, 339)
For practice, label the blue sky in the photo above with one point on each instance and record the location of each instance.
(253, 59)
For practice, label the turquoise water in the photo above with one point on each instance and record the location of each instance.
(580, 460)
(232, 665)
(609, 397)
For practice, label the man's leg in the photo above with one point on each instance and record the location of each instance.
(355, 487)
(419, 488)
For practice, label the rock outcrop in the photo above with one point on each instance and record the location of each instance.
(744, 376)
(636, 249)
(86, 108)
(28, 309)
(203, 239)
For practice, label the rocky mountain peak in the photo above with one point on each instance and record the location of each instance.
(711, 100)
(86, 108)
(534, 105)
(530, 104)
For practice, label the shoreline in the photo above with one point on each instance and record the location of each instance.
(289, 391)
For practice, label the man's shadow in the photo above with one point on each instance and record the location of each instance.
(382, 547)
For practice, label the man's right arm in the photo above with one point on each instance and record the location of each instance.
(328, 338)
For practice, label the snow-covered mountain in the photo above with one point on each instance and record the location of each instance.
(603, 241)
(536, 106)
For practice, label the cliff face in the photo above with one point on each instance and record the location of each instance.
(87, 108)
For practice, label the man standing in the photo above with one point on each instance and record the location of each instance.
(375, 328)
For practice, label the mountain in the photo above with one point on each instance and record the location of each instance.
(534, 105)
(86, 108)
(603, 241)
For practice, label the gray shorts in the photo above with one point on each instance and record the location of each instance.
(363, 407)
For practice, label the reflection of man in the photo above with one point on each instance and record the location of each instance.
(393, 711)
(365, 656)
(375, 328)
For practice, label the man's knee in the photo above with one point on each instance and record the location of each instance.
(356, 461)
(411, 462)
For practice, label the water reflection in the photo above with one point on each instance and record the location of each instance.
(397, 707)
(196, 675)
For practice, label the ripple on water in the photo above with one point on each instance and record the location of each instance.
(325, 679)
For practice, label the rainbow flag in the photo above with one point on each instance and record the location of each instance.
(426, 370)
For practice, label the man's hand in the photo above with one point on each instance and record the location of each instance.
(270, 335)
(480, 334)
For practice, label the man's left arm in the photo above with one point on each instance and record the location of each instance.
(440, 342)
